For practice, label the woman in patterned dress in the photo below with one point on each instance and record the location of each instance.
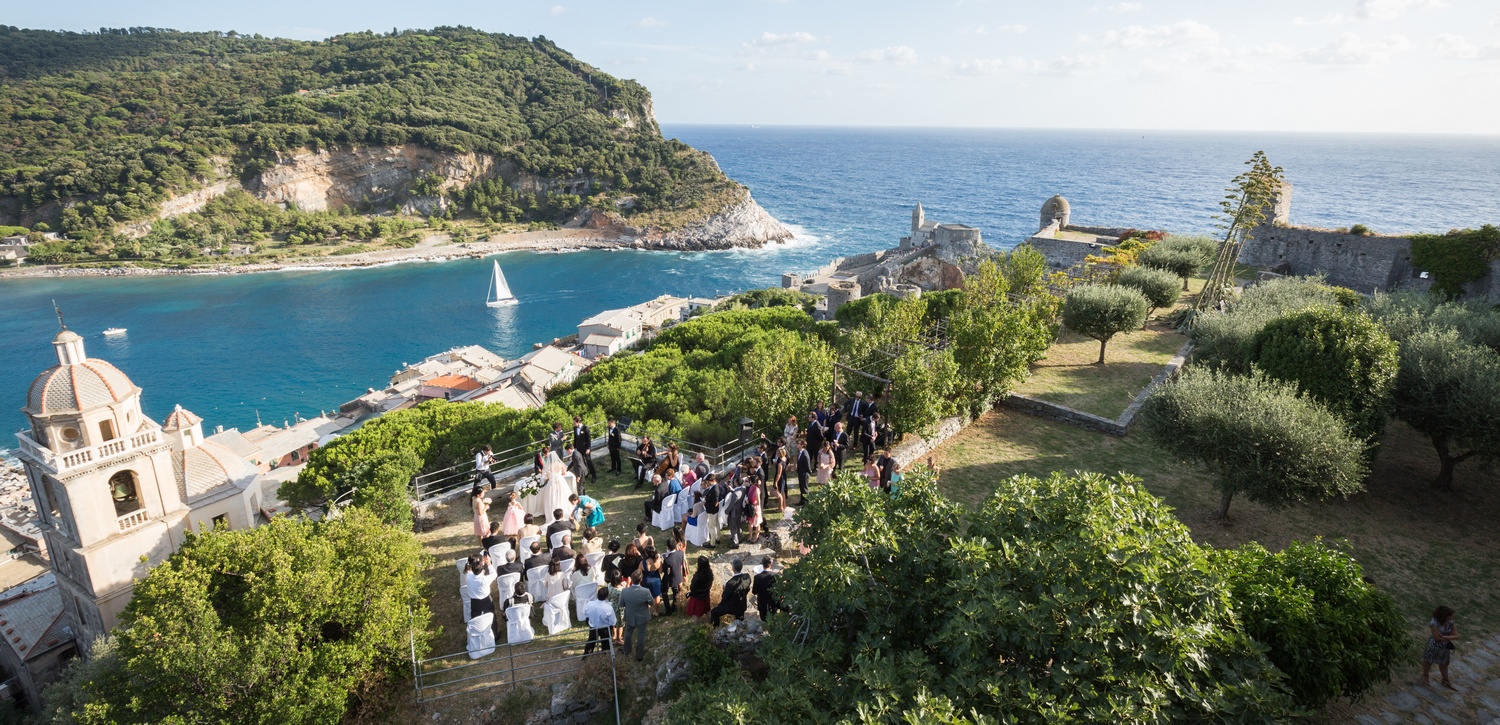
(1441, 631)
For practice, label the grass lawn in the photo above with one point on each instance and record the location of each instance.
(1424, 547)
(1068, 375)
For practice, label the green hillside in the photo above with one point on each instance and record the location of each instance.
(97, 129)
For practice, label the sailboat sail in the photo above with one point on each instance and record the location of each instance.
(499, 294)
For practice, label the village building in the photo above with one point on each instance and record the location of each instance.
(38, 639)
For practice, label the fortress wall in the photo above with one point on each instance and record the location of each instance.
(1063, 253)
(1115, 232)
(1367, 264)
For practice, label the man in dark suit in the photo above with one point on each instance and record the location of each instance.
(560, 522)
(867, 435)
(887, 464)
(583, 441)
(564, 552)
(661, 490)
(614, 442)
(539, 557)
(764, 587)
(854, 411)
(734, 509)
(556, 440)
(804, 470)
(736, 594)
(577, 464)
(673, 573)
(494, 538)
(840, 441)
(815, 433)
(511, 566)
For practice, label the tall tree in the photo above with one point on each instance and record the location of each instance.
(1450, 389)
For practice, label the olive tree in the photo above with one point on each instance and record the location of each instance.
(1226, 338)
(1338, 356)
(1258, 435)
(1310, 599)
(1449, 389)
(1102, 311)
(1159, 287)
(1183, 256)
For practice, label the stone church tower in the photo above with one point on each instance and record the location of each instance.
(115, 492)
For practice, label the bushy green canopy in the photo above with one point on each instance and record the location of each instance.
(1183, 256)
(1069, 599)
(1102, 311)
(284, 623)
(1338, 356)
(1158, 286)
(1226, 339)
(1449, 389)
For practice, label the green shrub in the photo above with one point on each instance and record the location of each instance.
(1158, 286)
(1226, 339)
(1450, 390)
(1404, 314)
(1339, 357)
(1101, 311)
(1183, 256)
(1257, 435)
(1456, 258)
(1360, 230)
(1333, 634)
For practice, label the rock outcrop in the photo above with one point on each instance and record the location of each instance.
(743, 223)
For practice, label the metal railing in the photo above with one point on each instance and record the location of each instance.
(434, 681)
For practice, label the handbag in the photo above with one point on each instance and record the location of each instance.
(1448, 645)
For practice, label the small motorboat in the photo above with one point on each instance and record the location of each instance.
(114, 332)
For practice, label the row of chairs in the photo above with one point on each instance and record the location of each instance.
(556, 616)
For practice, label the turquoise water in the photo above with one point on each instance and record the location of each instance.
(290, 342)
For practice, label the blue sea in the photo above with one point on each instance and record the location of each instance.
(239, 348)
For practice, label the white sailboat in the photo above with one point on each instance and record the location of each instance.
(499, 294)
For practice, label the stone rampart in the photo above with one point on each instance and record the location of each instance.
(1363, 263)
(1063, 253)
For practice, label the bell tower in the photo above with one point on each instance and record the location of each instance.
(103, 479)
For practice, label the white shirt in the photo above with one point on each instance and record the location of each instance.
(479, 462)
(477, 586)
(599, 614)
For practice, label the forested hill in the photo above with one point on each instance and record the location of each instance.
(100, 128)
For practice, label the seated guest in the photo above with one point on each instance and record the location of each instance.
(511, 565)
(538, 558)
(582, 573)
(495, 538)
(520, 596)
(559, 523)
(590, 543)
(564, 551)
(734, 601)
(529, 527)
(557, 581)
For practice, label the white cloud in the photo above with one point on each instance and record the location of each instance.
(1329, 19)
(1352, 51)
(898, 54)
(1215, 59)
(557, 10)
(1014, 29)
(1125, 7)
(770, 39)
(1459, 47)
(1388, 9)
(651, 23)
(1155, 36)
(1068, 65)
(981, 66)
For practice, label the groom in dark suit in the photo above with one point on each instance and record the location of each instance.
(577, 464)
(583, 440)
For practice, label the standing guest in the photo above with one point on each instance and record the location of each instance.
(578, 464)
(871, 473)
(636, 601)
(700, 588)
(713, 497)
(478, 578)
(600, 617)
(616, 585)
(700, 466)
(482, 460)
(840, 442)
(515, 515)
(674, 570)
(804, 469)
(820, 413)
(882, 431)
(630, 562)
(481, 506)
(855, 411)
(815, 433)
(764, 587)
(826, 461)
(887, 464)
(494, 539)
(736, 595)
(557, 582)
(583, 442)
(790, 431)
(529, 527)
(587, 511)
(611, 560)
(511, 565)
(557, 439)
(755, 514)
(1441, 632)
(591, 543)
(779, 461)
(646, 451)
(867, 436)
(614, 442)
(643, 540)
(559, 523)
(651, 576)
(734, 510)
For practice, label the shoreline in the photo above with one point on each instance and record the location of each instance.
(434, 248)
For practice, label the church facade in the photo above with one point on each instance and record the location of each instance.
(117, 492)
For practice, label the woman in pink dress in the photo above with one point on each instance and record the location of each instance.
(515, 516)
(825, 463)
(481, 504)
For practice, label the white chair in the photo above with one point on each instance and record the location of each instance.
(481, 631)
(663, 519)
(557, 538)
(584, 593)
(518, 624)
(595, 560)
(497, 553)
(524, 545)
(536, 582)
(684, 502)
(566, 566)
(697, 534)
(555, 615)
(505, 586)
(463, 595)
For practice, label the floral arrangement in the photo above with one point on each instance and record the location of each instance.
(530, 487)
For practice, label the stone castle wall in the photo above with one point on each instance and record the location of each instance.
(1363, 263)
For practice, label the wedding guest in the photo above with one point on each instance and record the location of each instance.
(563, 550)
(515, 515)
(734, 600)
(700, 588)
(583, 443)
(581, 572)
(557, 439)
(557, 582)
(560, 522)
(600, 617)
(511, 565)
(1441, 632)
(804, 470)
(591, 543)
(517, 597)
(637, 602)
(826, 461)
(494, 538)
(887, 463)
(764, 588)
(839, 440)
(478, 578)
(481, 506)
(630, 562)
(529, 527)
(539, 557)
(790, 430)
(673, 571)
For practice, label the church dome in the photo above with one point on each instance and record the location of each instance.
(208, 466)
(76, 387)
(180, 419)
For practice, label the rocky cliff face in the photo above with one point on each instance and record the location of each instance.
(743, 223)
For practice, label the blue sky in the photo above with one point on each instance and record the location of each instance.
(1425, 66)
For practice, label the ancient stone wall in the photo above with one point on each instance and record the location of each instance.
(1063, 253)
(1364, 263)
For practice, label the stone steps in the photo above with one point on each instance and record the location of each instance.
(1475, 671)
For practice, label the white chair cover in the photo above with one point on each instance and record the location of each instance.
(756, 569)
(506, 585)
(663, 520)
(518, 624)
(557, 538)
(594, 559)
(697, 534)
(497, 553)
(524, 545)
(566, 566)
(463, 596)
(536, 582)
(482, 636)
(684, 502)
(583, 594)
(555, 615)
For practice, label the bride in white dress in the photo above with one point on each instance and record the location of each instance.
(557, 485)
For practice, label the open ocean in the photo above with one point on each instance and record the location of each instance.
(230, 348)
